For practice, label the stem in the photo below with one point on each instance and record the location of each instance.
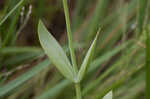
(78, 91)
(73, 58)
(69, 33)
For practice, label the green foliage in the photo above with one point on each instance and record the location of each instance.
(116, 62)
(59, 58)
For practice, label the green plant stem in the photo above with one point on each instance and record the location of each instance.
(69, 33)
(78, 91)
(73, 58)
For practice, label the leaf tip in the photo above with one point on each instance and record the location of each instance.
(40, 23)
(41, 27)
(98, 32)
(109, 95)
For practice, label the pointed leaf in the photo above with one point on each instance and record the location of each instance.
(87, 60)
(108, 95)
(55, 52)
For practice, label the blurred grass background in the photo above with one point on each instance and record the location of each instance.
(120, 56)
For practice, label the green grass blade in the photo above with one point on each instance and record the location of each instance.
(87, 60)
(21, 59)
(141, 11)
(120, 81)
(53, 92)
(97, 18)
(5, 18)
(148, 63)
(12, 28)
(24, 77)
(108, 95)
(15, 50)
(79, 14)
(55, 52)
(19, 55)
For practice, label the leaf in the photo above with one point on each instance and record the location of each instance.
(98, 62)
(24, 77)
(55, 52)
(108, 95)
(87, 60)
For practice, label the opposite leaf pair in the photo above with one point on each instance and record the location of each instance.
(59, 58)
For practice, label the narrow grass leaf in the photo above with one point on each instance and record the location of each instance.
(53, 92)
(119, 81)
(87, 60)
(108, 95)
(99, 15)
(141, 11)
(21, 59)
(15, 50)
(148, 62)
(55, 52)
(14, 9)
(22, 78)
